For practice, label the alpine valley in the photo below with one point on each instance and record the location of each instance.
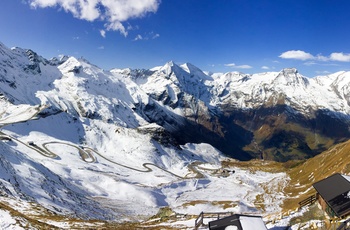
(82, 147)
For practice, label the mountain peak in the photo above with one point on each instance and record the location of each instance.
(170, 67)
(170, 63)
(58, 60)
(291, 76)
(188, 67)
(194, 70)
(289, 71)
(70, 65)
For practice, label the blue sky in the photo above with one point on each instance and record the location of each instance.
(249, 36)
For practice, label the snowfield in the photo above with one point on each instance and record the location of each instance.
(238, 191)
(8, 222)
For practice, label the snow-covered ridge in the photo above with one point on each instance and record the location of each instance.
(250, 91)
(28, 78)
(301, 93)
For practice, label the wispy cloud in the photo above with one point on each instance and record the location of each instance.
(103, 33)
(101, 47)
(323, 63)
(233, 65)
(113, 12)
(155, 36)
(265, 67)
(138, 37)
(148, 36)
(304, 56)
(310, 63)
(322, 72)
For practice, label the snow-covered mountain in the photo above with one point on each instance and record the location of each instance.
(242, 115)
(245, 115)
(77, 140)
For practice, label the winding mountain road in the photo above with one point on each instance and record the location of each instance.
(86, 153)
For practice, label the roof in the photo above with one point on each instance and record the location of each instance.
(241, 222)
(334, 190)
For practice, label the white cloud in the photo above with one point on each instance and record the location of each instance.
(148, 36)
(265, 67)
(155, 36)
(117, 26)
(233, 65)
(244, 67)
(323, 72)
(138, 37)
(302, 55)
(310, 63)
(112, 12)
(320, 57)
(230, 65)
(296, 54)
(103, 33)
(340, 57)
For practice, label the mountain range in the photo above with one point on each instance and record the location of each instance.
(274, 115)
(159, 121)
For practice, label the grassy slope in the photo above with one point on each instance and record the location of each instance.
(281, 140)
(334, 160)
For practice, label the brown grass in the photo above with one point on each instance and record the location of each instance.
(223, 203)
(335, 160)
(31, 221)
(255, 165)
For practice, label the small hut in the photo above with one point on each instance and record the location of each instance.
(333, 194)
